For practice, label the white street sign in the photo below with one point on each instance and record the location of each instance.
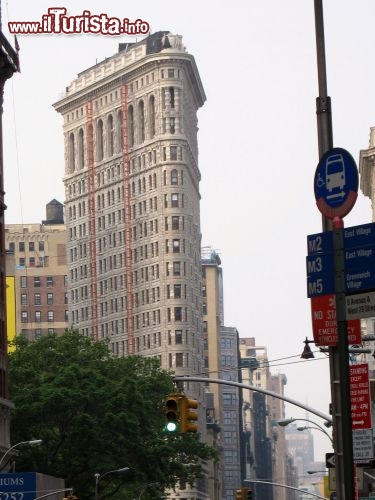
(361, 305)
(363, 449)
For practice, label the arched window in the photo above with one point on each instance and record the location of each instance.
(141, 121)
(152, 116)
(71, 155)
(110, 132)
(81, 149)
(99, 141)
(119, 141)
(131, 126)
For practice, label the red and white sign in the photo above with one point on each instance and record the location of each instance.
(360, 396)
(324, 323)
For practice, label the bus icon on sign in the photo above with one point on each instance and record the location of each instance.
(335, 172)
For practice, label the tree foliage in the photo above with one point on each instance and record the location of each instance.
(97, 413)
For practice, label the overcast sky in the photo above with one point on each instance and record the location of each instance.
(257, 142)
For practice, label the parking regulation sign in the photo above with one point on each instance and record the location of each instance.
(336, 183)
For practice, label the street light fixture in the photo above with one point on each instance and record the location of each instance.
(318, 428)
(31, 442)
(99, 477)
(287, 421)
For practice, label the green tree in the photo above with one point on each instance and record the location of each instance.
(96, 413)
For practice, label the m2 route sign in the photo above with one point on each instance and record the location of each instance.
(324, 323)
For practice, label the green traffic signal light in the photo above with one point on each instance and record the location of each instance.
(172, 412)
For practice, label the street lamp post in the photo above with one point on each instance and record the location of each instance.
(287, 421)
(99, 477)
(31, 442)
(317, 428)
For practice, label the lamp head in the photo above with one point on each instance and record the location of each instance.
(286, 421)
(307, 352)
(35, 441)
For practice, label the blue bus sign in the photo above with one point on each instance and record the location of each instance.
(336, 183)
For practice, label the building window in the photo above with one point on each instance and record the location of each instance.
(176, 246)
(49, 281)
(24, 317)
(171, 96)
(23, 281)
(31, 246)
(172, 125)
(99, 141)
(11, 246)
(66, 316)
(141, 121)
(174, 177)
(174, 200)
(37, 333)
(175, 222)
(176, 268)
(71, 152)
(81, 149)
(178, 336)
(110, 135)
(36, 281)
(51, 331)
(178, 313)
(37, 299)
(38, 316)
(152, 116)
(32, 261)
(49, 298)
(41, 246)
(119, 131)
(177, 291)
(131, 126)
(179, 360)
(21, 261)
(50, 316)
(21, 246)
(173, 156)
(23, 299)
(229, 399)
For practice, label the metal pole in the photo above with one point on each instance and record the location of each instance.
(208, 380)
(285, 486)
(339, 359)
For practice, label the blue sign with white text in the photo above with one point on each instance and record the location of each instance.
(18, 486)
(359, 253)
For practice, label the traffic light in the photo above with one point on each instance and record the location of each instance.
(249, 494)
(188, 420)
(172, 413)
(239, 495)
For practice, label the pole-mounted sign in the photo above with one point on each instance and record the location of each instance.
(336, 183)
